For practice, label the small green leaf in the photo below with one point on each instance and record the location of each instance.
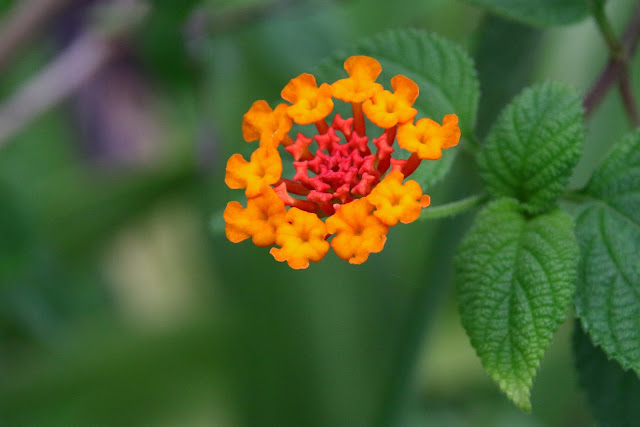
(534, 145)
(444, 72)
(613, 393)
(541, 13)
(608, 230)
(515, 277)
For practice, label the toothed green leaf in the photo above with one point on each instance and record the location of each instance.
(608, 230)
(515, 278)
(612, 392)
(533, 147)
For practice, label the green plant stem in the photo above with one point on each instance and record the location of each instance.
(454, 208)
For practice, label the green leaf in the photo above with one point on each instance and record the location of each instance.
(515, 277)
(608, 230)
(541, 13)
(613, 393)
(534, 145)
(444, 72)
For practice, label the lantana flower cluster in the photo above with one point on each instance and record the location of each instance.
(348, 188)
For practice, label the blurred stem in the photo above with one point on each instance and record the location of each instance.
(454, 208)
(617, 69)
(604, 25)
(69, 71)
(22, 23)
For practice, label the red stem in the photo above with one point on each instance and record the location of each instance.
(412, 164)
(294, 187)
(358, 119)
(391, 134)
(322, 126)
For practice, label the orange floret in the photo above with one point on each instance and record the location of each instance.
(301, 239)
(397, 202)
(361, 84)
(258, 220)
(358, 232)
(267, 125)
(427, 138)
(310, 102)
(264, 168)
(386, 109)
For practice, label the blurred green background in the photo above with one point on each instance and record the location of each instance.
(120, 306)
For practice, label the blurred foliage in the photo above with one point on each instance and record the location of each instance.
(118, 305)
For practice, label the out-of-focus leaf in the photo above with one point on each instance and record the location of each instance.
(515, 278)
(93, 381)
(534, 145)
(518, 47)
(81, 214)
(608, 230)
(542, 13)
(164, 43)
(613, 393)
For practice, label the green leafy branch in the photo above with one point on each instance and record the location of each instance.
(525, 263)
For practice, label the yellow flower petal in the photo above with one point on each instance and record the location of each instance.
(259, 220)
(267, 125)
(265, 168)
(396, 202)
(427, 138)
(301, 238)
(361, 84)
(310, 103)
(358, 232)
(387, 109)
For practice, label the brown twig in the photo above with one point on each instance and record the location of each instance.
(70, 70)
(630, 106)
(67, 73)
(617, 69)
(22, 23)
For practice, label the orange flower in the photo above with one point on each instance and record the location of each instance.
(264, 168)
(310, 102)
(427, 138)
(267, 125)
(259, 220)
(301, 238)
(339, 172)
(358, 232)
(387, 109)
(361, 84)
(397, 202)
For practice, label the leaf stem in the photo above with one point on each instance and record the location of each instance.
(454, 208)
(617, 69)
(606, 29)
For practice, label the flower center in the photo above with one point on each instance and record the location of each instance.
(342, 168)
